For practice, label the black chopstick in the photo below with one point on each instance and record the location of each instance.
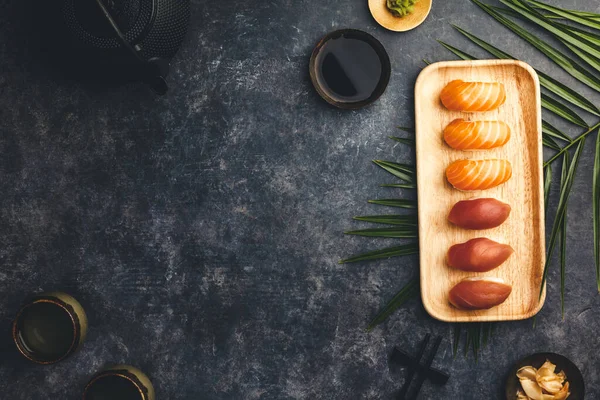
(433, 374)
(428, 363)
(414, 369)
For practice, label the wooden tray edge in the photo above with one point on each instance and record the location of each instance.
(477, 63)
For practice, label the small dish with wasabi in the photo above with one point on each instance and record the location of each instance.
(400, 15)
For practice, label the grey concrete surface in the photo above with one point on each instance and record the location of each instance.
(201, 230)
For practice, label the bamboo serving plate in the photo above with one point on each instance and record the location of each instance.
(523, 230)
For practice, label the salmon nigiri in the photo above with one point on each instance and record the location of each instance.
(459, 95)
(476, 135)
(478, 174)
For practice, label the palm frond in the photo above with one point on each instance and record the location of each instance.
(563, 239)
(408, 142)
(487, 332)
(476, 335)
(589, 59)
(548, 102)
(550, 130)
(596, 209)
(409, 291)
(402, 203)
(565, 35)
(565, 62)
(563, 255)
(403, 232)
(389, 252)
(592, 37)
(562, 111)
(400, 185)
(583, 18)
(565, 191)
(390, 219)
(546, 81)
(550, 143)
(547, 183)
(456, 338)
(401, 171)
(573, 142)
(459, 53)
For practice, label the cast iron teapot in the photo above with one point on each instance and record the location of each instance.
(123, 39)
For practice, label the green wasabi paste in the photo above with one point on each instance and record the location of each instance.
(401, 8)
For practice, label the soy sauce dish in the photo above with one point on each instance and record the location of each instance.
(563, 365)
(349, 68)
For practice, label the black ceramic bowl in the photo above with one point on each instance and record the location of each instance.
(349, 68)
(574, 377)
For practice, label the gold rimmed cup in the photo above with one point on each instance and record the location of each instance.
(121, 382)
(49, 327)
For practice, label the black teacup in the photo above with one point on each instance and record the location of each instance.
(49, 327)
(121, 382)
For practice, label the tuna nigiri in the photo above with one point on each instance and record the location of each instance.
(478, 255)
(478, 174)
(479, 293)
(459, 95)
(479, 213)
(476, 135)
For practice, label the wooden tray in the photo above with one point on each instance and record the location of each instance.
(524, 229)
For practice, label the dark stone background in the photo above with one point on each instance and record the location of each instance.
(201, 230)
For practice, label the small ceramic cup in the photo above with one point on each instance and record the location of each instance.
(119, 382)
(49, 327)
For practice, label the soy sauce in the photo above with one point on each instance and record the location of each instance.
(45, 330)
(352, 67)
(112, 387)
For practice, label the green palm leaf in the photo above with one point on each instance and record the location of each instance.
(391, 219)
(402, 203)
(550, 130)
(484, 45)
(547, 82)
(487, 332)
(404, 232)
(565, 191)
(596, 209)
(562, 111)
(563, 252)
(583, 18)
(576, 12)
(400, 185)
(475, 332)
(402, 171)
(547, 102)
(590, 60)
(566, 93)
(410, 290)
(459, 53)
(395, 251)
(568, 64)
(564, 34)
(456, 338)
(573, 142)
(547, 183)
(550, 143)
(592, 37)
(563, 239)
(408, 142)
